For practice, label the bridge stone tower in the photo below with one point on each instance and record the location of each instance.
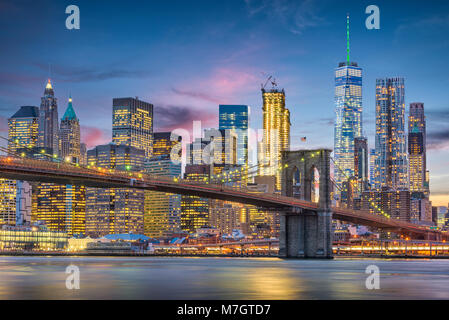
(306, 233)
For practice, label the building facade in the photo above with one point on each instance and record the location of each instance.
(195, 210)
(361, 168)
(391, 167)
(63, 207)
(48, 120)
(162, 210)
(236, 117)
(394, 204)
(115, 210)
(132, 124)
(348, 119)
(163, 144)
(23, 129)
(15, 196)
(276, 133)
(417, 149)
(70, 136)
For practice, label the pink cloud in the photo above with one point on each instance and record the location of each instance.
(92, 136)
(222, 85)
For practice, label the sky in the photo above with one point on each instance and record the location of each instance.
(187, 57)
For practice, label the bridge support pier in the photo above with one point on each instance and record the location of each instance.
(307, 235)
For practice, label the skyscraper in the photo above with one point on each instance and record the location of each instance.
(162, 143)
(348, 116)
(15, 196)
(236, 117)
(391, 153)
(132, 124)
(63, 207)
(372, 165)
(48, 120)
(194, 209)
(361, 163)
(162, 215)
(276, 135)
(115, 210)
(417, 148)
(23, 129)
(70, 136)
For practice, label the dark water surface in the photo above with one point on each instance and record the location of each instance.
(220, 278)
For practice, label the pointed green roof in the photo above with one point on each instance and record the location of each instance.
(69, 112)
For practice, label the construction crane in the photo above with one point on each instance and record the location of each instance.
(266, 82)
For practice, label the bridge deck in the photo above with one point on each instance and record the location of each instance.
(63, 173)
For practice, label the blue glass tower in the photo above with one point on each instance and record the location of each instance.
(236, 117)
(348, 116)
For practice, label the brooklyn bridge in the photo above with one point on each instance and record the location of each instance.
(305, 225)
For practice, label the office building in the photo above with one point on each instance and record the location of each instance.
(15, 196)
(115, 210)
(162, 216)
(361, 163)
(348, 117)
(63, 207)
(163, 144)
(391, 167)
(23, 129)
(236, 118)
(194, 209)
(48, 120)
(394, 204)
(276, 133)
(417, 149)
(132, 124)
(70, 136)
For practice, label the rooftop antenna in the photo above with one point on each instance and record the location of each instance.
(347, 39)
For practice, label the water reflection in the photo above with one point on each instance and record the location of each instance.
(220, 278)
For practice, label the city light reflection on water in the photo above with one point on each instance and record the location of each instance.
(220, 278)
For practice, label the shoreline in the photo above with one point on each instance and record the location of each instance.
(85, 254)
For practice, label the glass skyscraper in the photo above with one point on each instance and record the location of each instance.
(417, 148)
(391, 152)
(348, 118)
(236, 117)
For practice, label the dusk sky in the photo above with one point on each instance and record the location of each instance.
(187, 57)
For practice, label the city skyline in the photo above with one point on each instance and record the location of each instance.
(233, 84)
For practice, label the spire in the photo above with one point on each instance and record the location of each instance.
(49, 88)
(347, 39)
(69, 112)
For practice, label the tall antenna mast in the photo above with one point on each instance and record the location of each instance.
(347, 39)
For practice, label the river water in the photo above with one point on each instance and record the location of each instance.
(220, 278)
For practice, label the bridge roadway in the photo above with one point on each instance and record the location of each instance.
(63, 173)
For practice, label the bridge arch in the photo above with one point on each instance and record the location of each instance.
(310, 163)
